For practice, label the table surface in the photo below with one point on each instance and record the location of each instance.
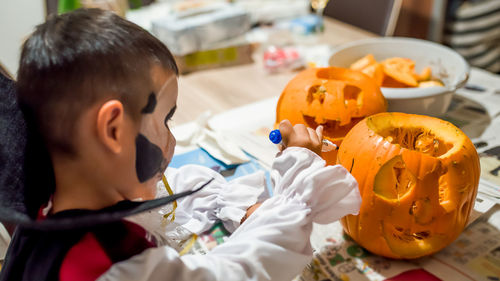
(221, 89)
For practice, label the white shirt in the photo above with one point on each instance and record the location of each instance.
(272, 244)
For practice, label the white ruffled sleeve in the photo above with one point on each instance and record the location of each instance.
(273, 243)
(220, 200)
(331, 192)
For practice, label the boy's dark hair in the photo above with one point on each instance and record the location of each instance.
(76, 59)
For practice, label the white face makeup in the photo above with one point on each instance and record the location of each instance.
(155, 143)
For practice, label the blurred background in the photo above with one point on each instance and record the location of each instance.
(472, 27)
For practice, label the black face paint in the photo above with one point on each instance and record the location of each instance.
(150, 106)
(149, 159)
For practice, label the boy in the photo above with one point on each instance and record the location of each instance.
(100, 91)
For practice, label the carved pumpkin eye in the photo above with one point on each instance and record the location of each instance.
(418, 178)
(393, 181)
(336, 98)
(353, 94)
(316, 93)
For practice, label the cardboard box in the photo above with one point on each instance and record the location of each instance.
(214, 58)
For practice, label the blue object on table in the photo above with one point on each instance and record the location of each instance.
(275, 136)
(306, 24)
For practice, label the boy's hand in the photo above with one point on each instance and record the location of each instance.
(250, 210)
(302, 136)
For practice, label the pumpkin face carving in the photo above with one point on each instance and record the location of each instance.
(336, 98)
(418, 179)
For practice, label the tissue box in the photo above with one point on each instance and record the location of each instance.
(199, 29)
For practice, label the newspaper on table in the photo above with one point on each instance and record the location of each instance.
(475, 255)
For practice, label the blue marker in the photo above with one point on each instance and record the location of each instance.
(275, 137)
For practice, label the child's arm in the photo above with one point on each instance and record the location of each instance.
(273, 243)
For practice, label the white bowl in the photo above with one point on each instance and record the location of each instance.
(446, 64)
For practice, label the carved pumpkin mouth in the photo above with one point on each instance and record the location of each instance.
(332, 128)
(408, 243)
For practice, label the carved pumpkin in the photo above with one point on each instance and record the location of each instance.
(418, 179)
(336, 98)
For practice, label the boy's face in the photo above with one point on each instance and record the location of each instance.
(154, 143)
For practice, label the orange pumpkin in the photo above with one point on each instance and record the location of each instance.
(336, 98)
(418, 179)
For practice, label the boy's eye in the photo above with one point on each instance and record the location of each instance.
(168, 122)
(168, 118)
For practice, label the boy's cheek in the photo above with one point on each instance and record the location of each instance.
(170, 149)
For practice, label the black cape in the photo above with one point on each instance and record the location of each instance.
(26, 184)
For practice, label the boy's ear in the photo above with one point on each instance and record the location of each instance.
(110, 125)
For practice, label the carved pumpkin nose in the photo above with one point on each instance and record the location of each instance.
(336, 98)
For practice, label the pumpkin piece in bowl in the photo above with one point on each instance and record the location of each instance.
(395, 72)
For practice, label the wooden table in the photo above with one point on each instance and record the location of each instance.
(222, 89)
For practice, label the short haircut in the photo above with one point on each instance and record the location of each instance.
(76, 59)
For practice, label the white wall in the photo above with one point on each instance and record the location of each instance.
(17, 20)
